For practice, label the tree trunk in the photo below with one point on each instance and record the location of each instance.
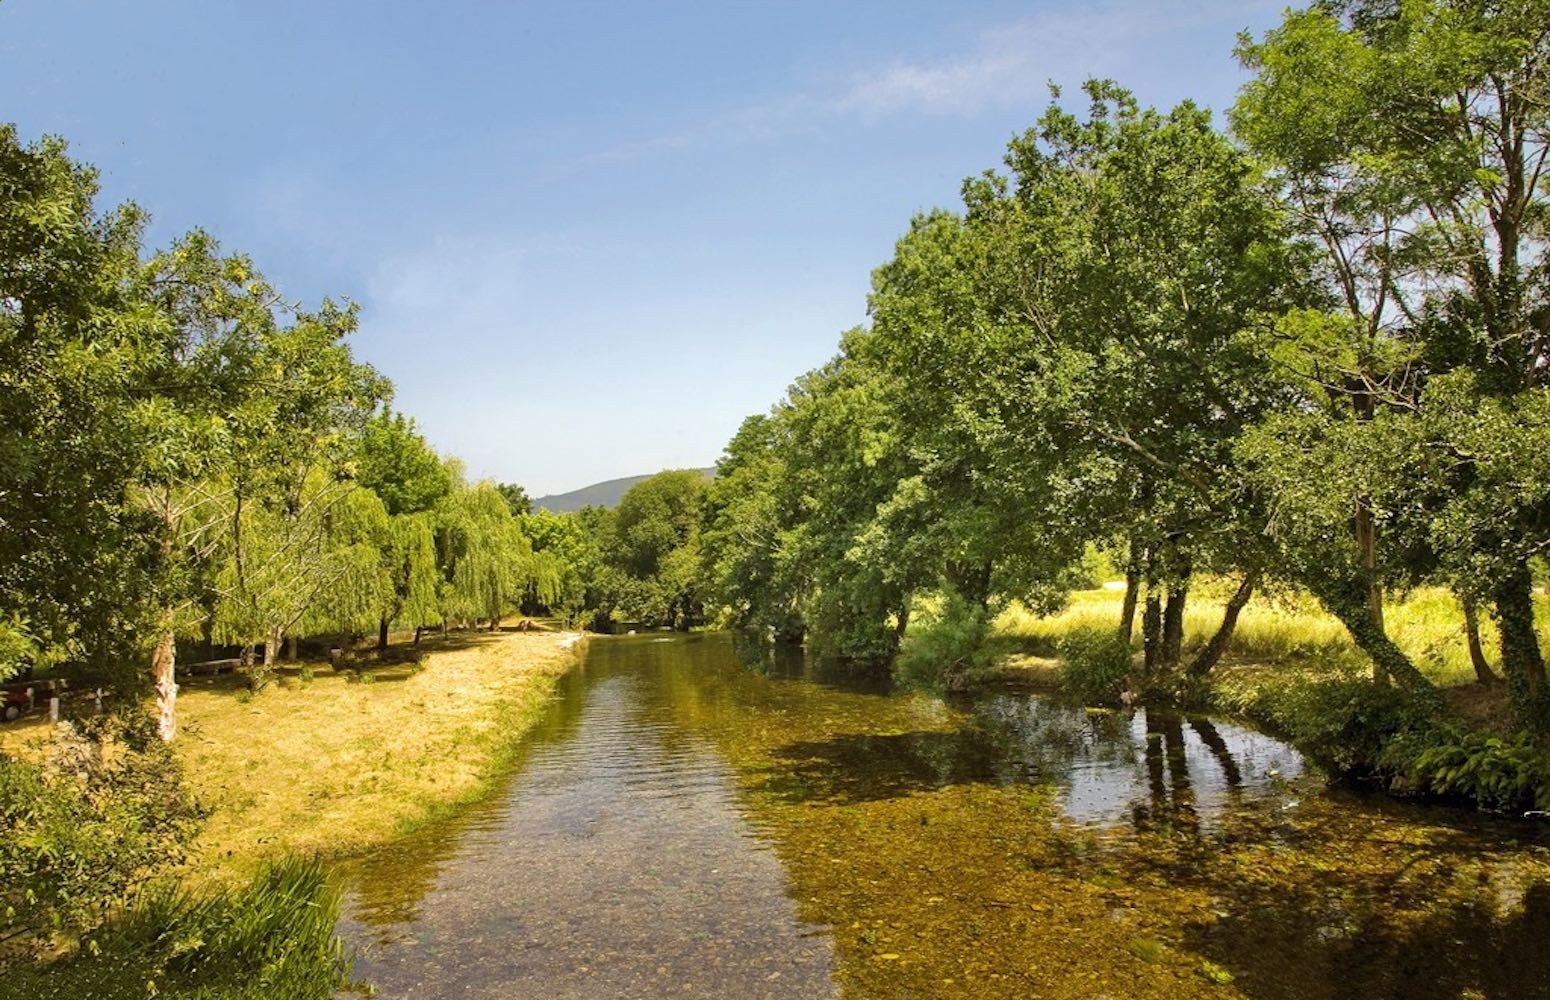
(1151, 630)
(417, 630)
(382, 633)
(1127, 610)
(1347, 600)
(1483, 672)
(247, 655)
(1173, 626)
(164, 660)
(1366, 530)
(1208, 657)
(271, 648)
(1521, 659)
(290, 648)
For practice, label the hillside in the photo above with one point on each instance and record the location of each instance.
(604, 494)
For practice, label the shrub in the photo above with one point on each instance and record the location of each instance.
(103, 810)
(1094, 663)
(1342, 723)
(272, 938)
(947, 647)
(1509, 774)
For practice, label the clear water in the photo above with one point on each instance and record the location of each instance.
(689, 822)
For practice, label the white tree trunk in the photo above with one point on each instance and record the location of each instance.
(164, 672)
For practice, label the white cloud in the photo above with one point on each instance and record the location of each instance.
(1013, 64)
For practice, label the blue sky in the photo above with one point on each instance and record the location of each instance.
(587, 238)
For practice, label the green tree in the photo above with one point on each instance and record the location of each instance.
(397, 464)
(75, 553)
(488, 564)
(1412, 136)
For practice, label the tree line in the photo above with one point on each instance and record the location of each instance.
(1308, 349)
(184, 454)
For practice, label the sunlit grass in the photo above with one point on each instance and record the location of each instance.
(328, 767)
(1427, 623)
(332, 767)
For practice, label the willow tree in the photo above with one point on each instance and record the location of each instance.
(488, 564)
(397, 464)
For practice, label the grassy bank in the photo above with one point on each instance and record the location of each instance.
(339, 762)
(1284, 629)
(320, 763)
(1293, 669)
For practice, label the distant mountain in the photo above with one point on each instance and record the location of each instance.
(606, 494)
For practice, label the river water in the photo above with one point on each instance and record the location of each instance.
(690, 820)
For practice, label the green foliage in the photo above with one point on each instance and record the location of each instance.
(516, 498)
(103, 811)
(650, 548)
(487, 562)
(946, 646)
(1505, 774)
(397, 464)
(1342, 722)
(573, 549)
(1094, 664)
(75, 555)
(18, 648)
(272, 938)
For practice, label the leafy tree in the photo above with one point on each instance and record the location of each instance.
(75, 562)
(488, 564)
(516, 498)
(651, 548)
(574, 556)
(1413, 136)
(397, 464)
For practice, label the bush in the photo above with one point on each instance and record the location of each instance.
(1501, 774)
(1342, 723)
(1094, 663)
(947, 647)
(273, 938)
(105, 809)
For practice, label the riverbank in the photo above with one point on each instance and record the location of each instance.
(343, 761)
(1293, 670)
(334, 767)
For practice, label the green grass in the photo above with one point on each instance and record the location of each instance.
(271, 938)
(1280, 628)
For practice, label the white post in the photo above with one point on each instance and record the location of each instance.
(53, 708)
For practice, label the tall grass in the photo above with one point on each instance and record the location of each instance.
(1427, 623)
(271, 939)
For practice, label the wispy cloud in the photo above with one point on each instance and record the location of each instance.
(1011, 64)
(1014, 63)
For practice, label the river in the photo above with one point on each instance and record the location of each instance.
(691, 820)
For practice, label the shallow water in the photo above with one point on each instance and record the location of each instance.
(689, 822)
